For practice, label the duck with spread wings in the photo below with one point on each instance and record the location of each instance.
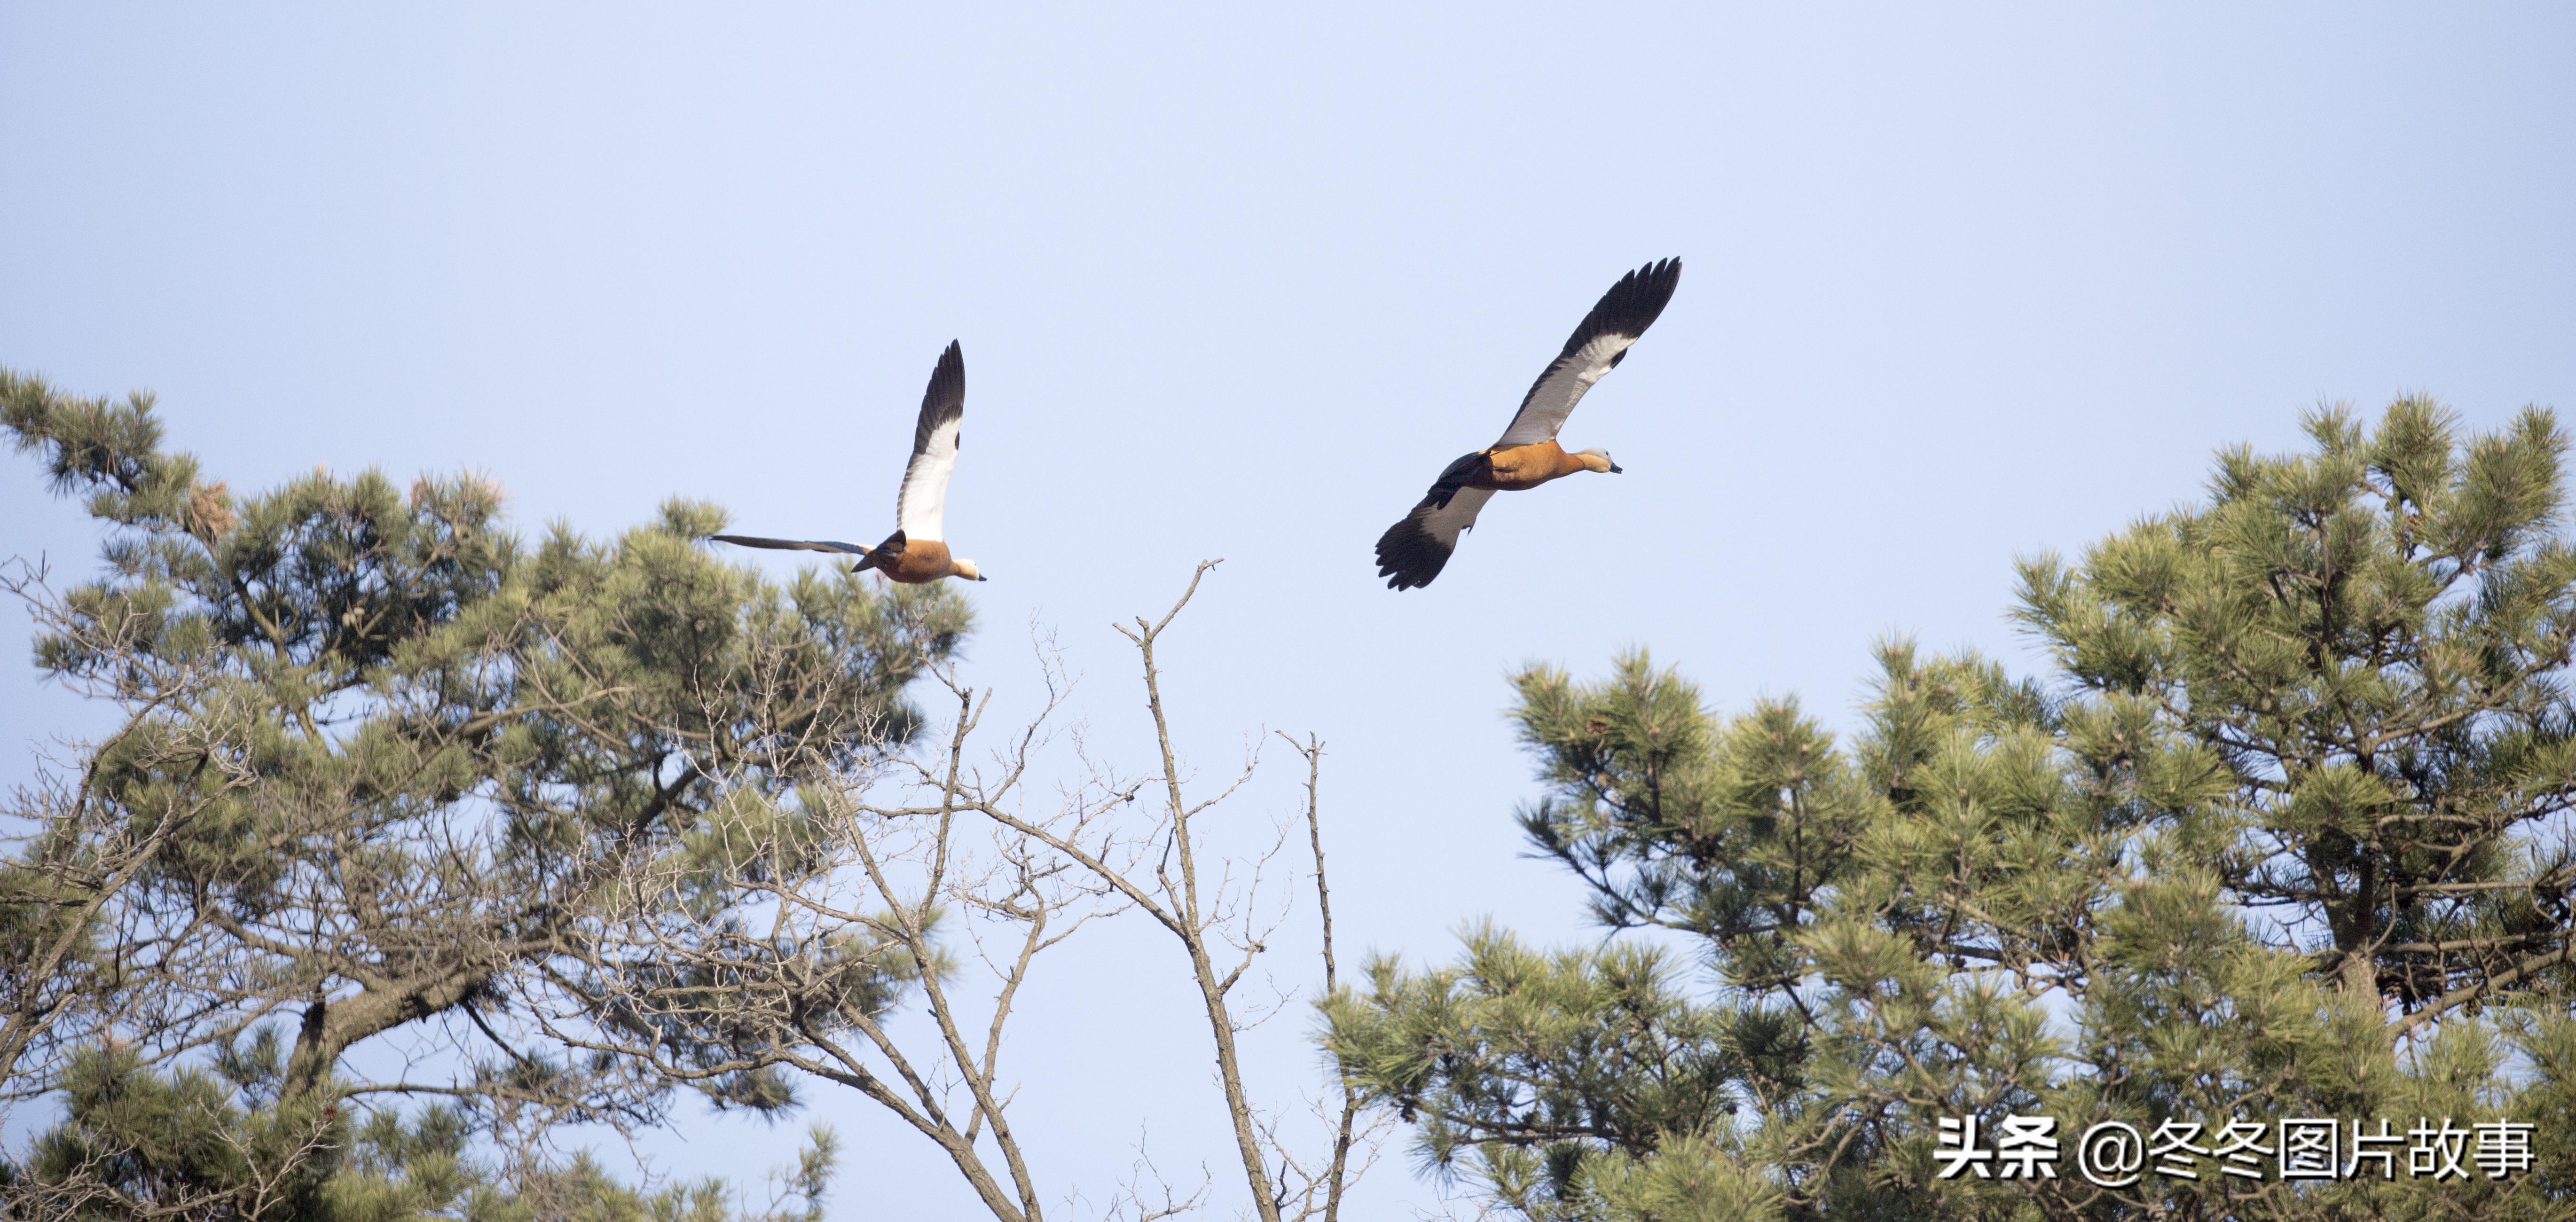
(1413, 551)
(915, 553)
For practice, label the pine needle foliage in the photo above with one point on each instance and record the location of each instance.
(2284, 835)
(214, 1143)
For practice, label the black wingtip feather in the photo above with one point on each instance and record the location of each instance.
(1631, 306)
(945, 400)
(1408, 554)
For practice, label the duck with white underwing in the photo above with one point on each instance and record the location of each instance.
(915, 553)
(1413, 551)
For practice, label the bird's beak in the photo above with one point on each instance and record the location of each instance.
(981, 577)
(1616, 469)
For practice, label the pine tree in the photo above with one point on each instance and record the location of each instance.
(2284, 836)
(378, 758)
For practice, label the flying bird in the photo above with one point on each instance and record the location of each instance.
(914, 553)
(1412, 551)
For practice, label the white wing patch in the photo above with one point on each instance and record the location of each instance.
(1445, 524)
(1561, 387)
(924, 499)
(1622, 314)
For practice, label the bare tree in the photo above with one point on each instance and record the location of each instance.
(827, 907)
(1297, 1187)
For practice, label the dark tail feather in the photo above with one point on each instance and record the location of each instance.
(883, 555)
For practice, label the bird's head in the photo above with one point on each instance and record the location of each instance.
(1597, 459)
(966, 569)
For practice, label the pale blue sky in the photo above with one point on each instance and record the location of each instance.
(1961, 284)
